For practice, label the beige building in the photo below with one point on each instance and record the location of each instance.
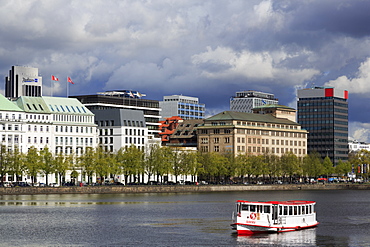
(271, 129)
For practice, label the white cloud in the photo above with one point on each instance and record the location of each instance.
(357, 85)
(359, 131)
(249, 65)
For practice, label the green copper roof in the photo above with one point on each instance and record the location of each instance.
(242, 116)
(54, 105)
(66, 105)
(274, 106)
(7, 105)
(32, 104)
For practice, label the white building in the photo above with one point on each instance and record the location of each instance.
(121, 128)
(355, 146)
(186, 107)
(23, 81)
(245, 101)
(63, 125)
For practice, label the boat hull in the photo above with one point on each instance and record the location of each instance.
(247, 229)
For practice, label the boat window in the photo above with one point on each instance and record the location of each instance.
(299, 210)
(303, 209)
(280, 210)
(252, 208)
(290, 210)
(266, 209)
(245, 207)
(307, 209)
(285, 210)
(259, 207)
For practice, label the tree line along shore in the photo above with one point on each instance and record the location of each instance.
(158, 163)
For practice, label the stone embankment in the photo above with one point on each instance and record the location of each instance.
(175, 188)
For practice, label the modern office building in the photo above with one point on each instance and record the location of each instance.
(245, 101)
(129, 100)
(252, 133)
(120, 128)
(23, 81)
(323, 112)
(185, 107)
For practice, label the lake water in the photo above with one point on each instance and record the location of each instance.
(170, 219)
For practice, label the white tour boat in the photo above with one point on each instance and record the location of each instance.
(273, 216)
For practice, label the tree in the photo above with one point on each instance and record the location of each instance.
(87, 161)
(190, 165)
(258, 167)
(343, 168)
(32, 163)
(152, 157)
(17, 164)
(102, 161)
(130, 161)
(240, 165)
(46, 163)
(328, 168)
(164, 165)
(290, 165)
(273, 166)
(4, 162)
(312, 165)
(62, 163)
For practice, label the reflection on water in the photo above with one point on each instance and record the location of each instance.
(173, 219)
(305, 237)
(64, 204)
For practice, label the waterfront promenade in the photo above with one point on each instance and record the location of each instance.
(175, 188)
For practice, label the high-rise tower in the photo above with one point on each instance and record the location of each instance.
(323, 112)
(23, 81)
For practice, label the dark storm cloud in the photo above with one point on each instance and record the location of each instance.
(348, 18)
(209, 49)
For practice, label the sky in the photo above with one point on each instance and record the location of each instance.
(208, 49)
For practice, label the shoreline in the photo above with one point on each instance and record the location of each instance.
(174, 188)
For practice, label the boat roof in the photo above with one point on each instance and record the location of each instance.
(293, 202)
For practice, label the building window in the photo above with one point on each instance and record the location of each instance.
(216, 140)
(227, 139)
(216, 149)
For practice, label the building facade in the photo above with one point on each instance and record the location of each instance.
(120, 128)
(323, 112)
(23, 81)
(356, 146)
(251, 133)
(63, 125)
(185, 107)
(245, 101)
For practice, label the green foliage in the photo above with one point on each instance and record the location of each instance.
(159, 161)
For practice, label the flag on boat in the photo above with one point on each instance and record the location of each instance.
(70, 80)
(54, 78)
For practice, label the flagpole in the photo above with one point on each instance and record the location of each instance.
(67, 87)
(51, 87)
